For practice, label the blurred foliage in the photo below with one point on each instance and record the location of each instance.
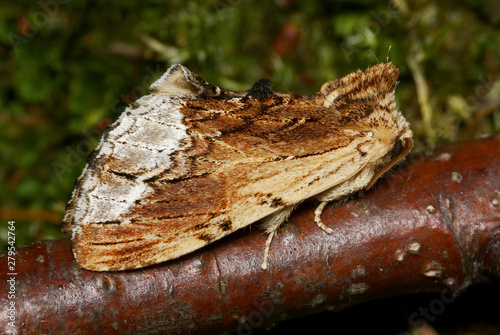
(69, 68)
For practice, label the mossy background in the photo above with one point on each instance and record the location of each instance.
(69, 68)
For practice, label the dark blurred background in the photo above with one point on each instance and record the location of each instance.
(69, 68)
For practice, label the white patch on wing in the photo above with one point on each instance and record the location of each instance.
(141, 144)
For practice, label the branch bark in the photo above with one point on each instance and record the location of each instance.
(433, 225)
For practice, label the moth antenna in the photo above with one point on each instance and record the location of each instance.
(389, 50)
(395, 160)
(374, 56)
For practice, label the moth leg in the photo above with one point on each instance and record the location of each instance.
(271, 224)
(266, 250)
(317, 217)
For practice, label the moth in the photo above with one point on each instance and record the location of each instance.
(192, 162)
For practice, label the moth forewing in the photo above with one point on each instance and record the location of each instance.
(192, 162)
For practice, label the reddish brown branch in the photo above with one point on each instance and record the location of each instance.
(434, 224)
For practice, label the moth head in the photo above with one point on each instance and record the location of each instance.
(394, 134)
(365, 102)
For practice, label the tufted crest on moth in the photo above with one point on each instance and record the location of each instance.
(262, 89)
(176, 81)
(180, 81)
(366, 101)
(375, 83)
